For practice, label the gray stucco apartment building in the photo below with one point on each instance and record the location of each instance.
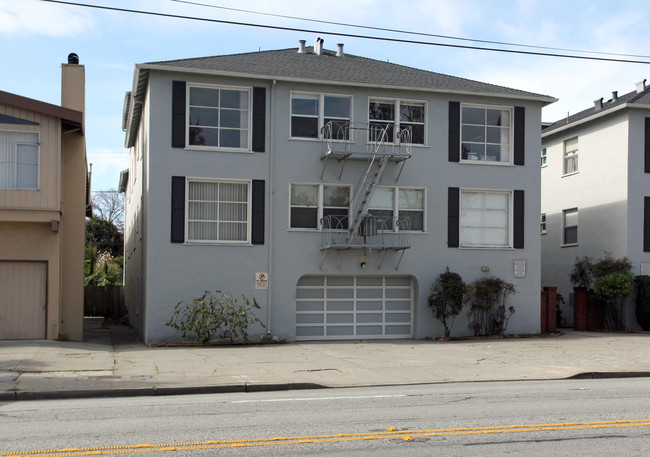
(333, 188)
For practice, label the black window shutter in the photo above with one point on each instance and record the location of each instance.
(453, 217)
(520, 138)
(178, 209)
(178, 114)
(518, 220)
(646, 224)
(259, 118)
(647, 145)
(454, 131)
(257, 212)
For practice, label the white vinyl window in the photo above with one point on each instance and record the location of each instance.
(400, 208)
(318, 206)
(570, 225)
(544, 158)
(403, 120)
(218, 211)
(485, 218)
(311, 112)
(571, 156)
(486, 134)
(19, 159)
(219, 117)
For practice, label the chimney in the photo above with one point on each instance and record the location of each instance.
(339, 50)
(73, 85)
(640, 86)
(614, 95)
(318, 46)
(301, 47)
(598, 104)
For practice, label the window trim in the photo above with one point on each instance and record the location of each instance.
(396, 121)
(564, 227)
(321, 112)
(575, 154)
(38, 158)
(320, 207)
(249, 89)
(544, 158)
(396, 208)
(511, 136)
(511, 227)
(249, 212)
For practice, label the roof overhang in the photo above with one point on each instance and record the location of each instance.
(69, 117)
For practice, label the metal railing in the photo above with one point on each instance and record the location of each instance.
(375, 232)
(342, 139)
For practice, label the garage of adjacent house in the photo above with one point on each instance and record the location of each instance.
(348, 307)
(23, 309)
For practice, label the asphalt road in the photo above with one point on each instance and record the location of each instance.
(573, 417)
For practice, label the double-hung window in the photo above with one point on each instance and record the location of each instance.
(393, 120)
(398, 208)
(570, 224)
(486, 134)
(19, 159)
(544, 158)
(542, 224)
(218, 211)
(318, 206)
(311, 112)
(485, 218)
(571, 156)
(219, 117)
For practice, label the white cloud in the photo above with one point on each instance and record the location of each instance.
(28, 17)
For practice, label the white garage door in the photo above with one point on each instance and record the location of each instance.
(349, 307)
(22, 299)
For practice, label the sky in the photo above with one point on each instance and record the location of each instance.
(36, 38)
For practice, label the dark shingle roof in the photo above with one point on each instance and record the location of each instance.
(632, 98)
(349, 69)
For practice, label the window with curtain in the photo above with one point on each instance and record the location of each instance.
(19, 159)
(570, 225)
(485, 134)
(219, 117)
(485, 219)
(571, 156)
(218, 211)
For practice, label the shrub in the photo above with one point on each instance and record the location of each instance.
(448, 295)
(642, 300)
(488, 314)
(215, 314)
(613, 289)
(582, 274)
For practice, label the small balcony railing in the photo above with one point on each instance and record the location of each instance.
(343, 139)
(375, 232)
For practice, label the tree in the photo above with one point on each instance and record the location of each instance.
(109, 206)
(102, 235)
(448, 295)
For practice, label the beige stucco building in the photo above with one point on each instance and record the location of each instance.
(44, 197)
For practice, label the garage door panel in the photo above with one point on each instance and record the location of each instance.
(354, 306)
(22, 296)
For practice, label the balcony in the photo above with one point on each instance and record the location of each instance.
(375, 232)
(358, 140)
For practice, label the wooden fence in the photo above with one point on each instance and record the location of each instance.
(106, 301)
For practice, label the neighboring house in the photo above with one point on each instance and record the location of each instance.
(348, 183)
(44, 198)
(596, 189)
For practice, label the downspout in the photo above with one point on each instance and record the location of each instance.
(269, 291)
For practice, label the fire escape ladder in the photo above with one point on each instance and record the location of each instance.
(370, 178)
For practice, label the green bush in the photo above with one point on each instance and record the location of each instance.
(488, 314)
(642, 300)
(613, 289)
(448, 295)
(215, 314)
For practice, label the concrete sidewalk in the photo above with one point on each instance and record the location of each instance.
(113, 362)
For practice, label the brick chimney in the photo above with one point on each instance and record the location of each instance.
(73, 85)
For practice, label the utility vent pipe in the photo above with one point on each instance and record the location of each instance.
(339, 50)
(301, 47)
(598, 104)
(640, 86)
(614, 95)
(318, 46)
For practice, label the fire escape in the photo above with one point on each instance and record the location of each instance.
(375, 145)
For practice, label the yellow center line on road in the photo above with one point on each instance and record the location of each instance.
(391, 433)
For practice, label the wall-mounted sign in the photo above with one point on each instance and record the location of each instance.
(261, 280)
(519, 268)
